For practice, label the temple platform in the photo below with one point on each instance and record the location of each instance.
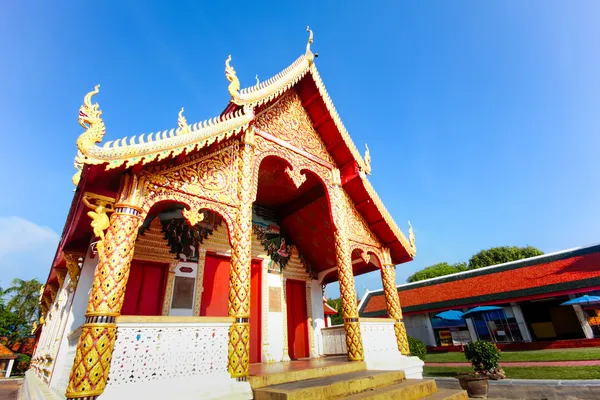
(337, 378)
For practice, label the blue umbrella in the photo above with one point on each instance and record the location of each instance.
(482, 309)
(450, 315)
(583, 300)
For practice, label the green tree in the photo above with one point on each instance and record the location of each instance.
(436, 270)
(24, 299)
(336, 319)
(12, 327)
(499, 255)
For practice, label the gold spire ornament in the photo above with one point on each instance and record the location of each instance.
(183, 125)
(367, 159)
(89, 119)
(309, 54)
(230, 74)
(411, 237)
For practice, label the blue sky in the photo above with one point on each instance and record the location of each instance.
(482, 117)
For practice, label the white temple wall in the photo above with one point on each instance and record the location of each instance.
(75, 319)
(318, 314)
(275, 321)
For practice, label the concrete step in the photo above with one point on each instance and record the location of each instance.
(286, 376)
(447, 394)
(410, 389)
(331, 387)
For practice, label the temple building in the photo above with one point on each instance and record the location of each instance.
(192, 261)
(525, 299)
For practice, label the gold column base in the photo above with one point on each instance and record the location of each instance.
(92, 360)
(239, 349)
(401, 338)
(353, 339)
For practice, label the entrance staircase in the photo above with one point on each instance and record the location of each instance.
(349, 380)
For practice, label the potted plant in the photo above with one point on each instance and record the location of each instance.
(484, 356)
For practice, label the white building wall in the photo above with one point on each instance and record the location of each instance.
(417, 327)
(76, 318)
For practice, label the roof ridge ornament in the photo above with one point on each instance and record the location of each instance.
(89, 119)
(411, 237)
(309, 54)
(183, 125)
(367, 159)
(230, 74)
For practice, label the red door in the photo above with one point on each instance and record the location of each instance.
(255, 311)
(216, 287)
(145, 288)
(216, 294)
(297, 319)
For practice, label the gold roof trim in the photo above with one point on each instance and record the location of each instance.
(155, 146)
(410, 247)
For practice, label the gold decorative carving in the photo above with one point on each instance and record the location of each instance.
(73, 269)
(184, 128)
(89, 119)
(193, 216)
(287, 119)
(200, 280)
(345, 275)
(411, 237)
(100, 206)
(392, 299)
(53, 290)
(234, 82)
(297, 176)
(152, 245)
(299, 163)
(147, 148)
(94, 350)
(211, 176)
(358, 228)
(60, 276)
(239, 277)
(166, 307)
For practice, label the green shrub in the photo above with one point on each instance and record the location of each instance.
(484, 356)
(417, 348)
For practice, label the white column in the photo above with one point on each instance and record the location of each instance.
(525, 334)
(430, 332)
(9, 368)
(587, 329)
(471, 327)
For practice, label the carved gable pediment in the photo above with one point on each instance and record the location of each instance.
(288, 120)
(211, 176)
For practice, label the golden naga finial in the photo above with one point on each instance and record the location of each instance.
(89, 119)
(257, 81)
(411, 237)
(182, 122)
(367, 159)
(234, 85)
(309, 54)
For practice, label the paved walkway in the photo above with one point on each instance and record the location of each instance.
(580, 363)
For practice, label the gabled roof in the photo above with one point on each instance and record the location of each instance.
(568, 271)
(238, 116)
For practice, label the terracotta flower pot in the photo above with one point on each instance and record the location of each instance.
(476, 387)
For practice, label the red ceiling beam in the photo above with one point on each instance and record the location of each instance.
(311, 100)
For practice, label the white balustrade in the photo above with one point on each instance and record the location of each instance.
(184, 358)
(334, 340)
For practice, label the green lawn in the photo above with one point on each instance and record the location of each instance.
(590, 353)
(523, 372)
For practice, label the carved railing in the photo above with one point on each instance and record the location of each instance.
(153, 354)
(377, 334)
(334, 340)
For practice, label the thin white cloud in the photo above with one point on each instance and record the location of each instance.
(26, 250)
